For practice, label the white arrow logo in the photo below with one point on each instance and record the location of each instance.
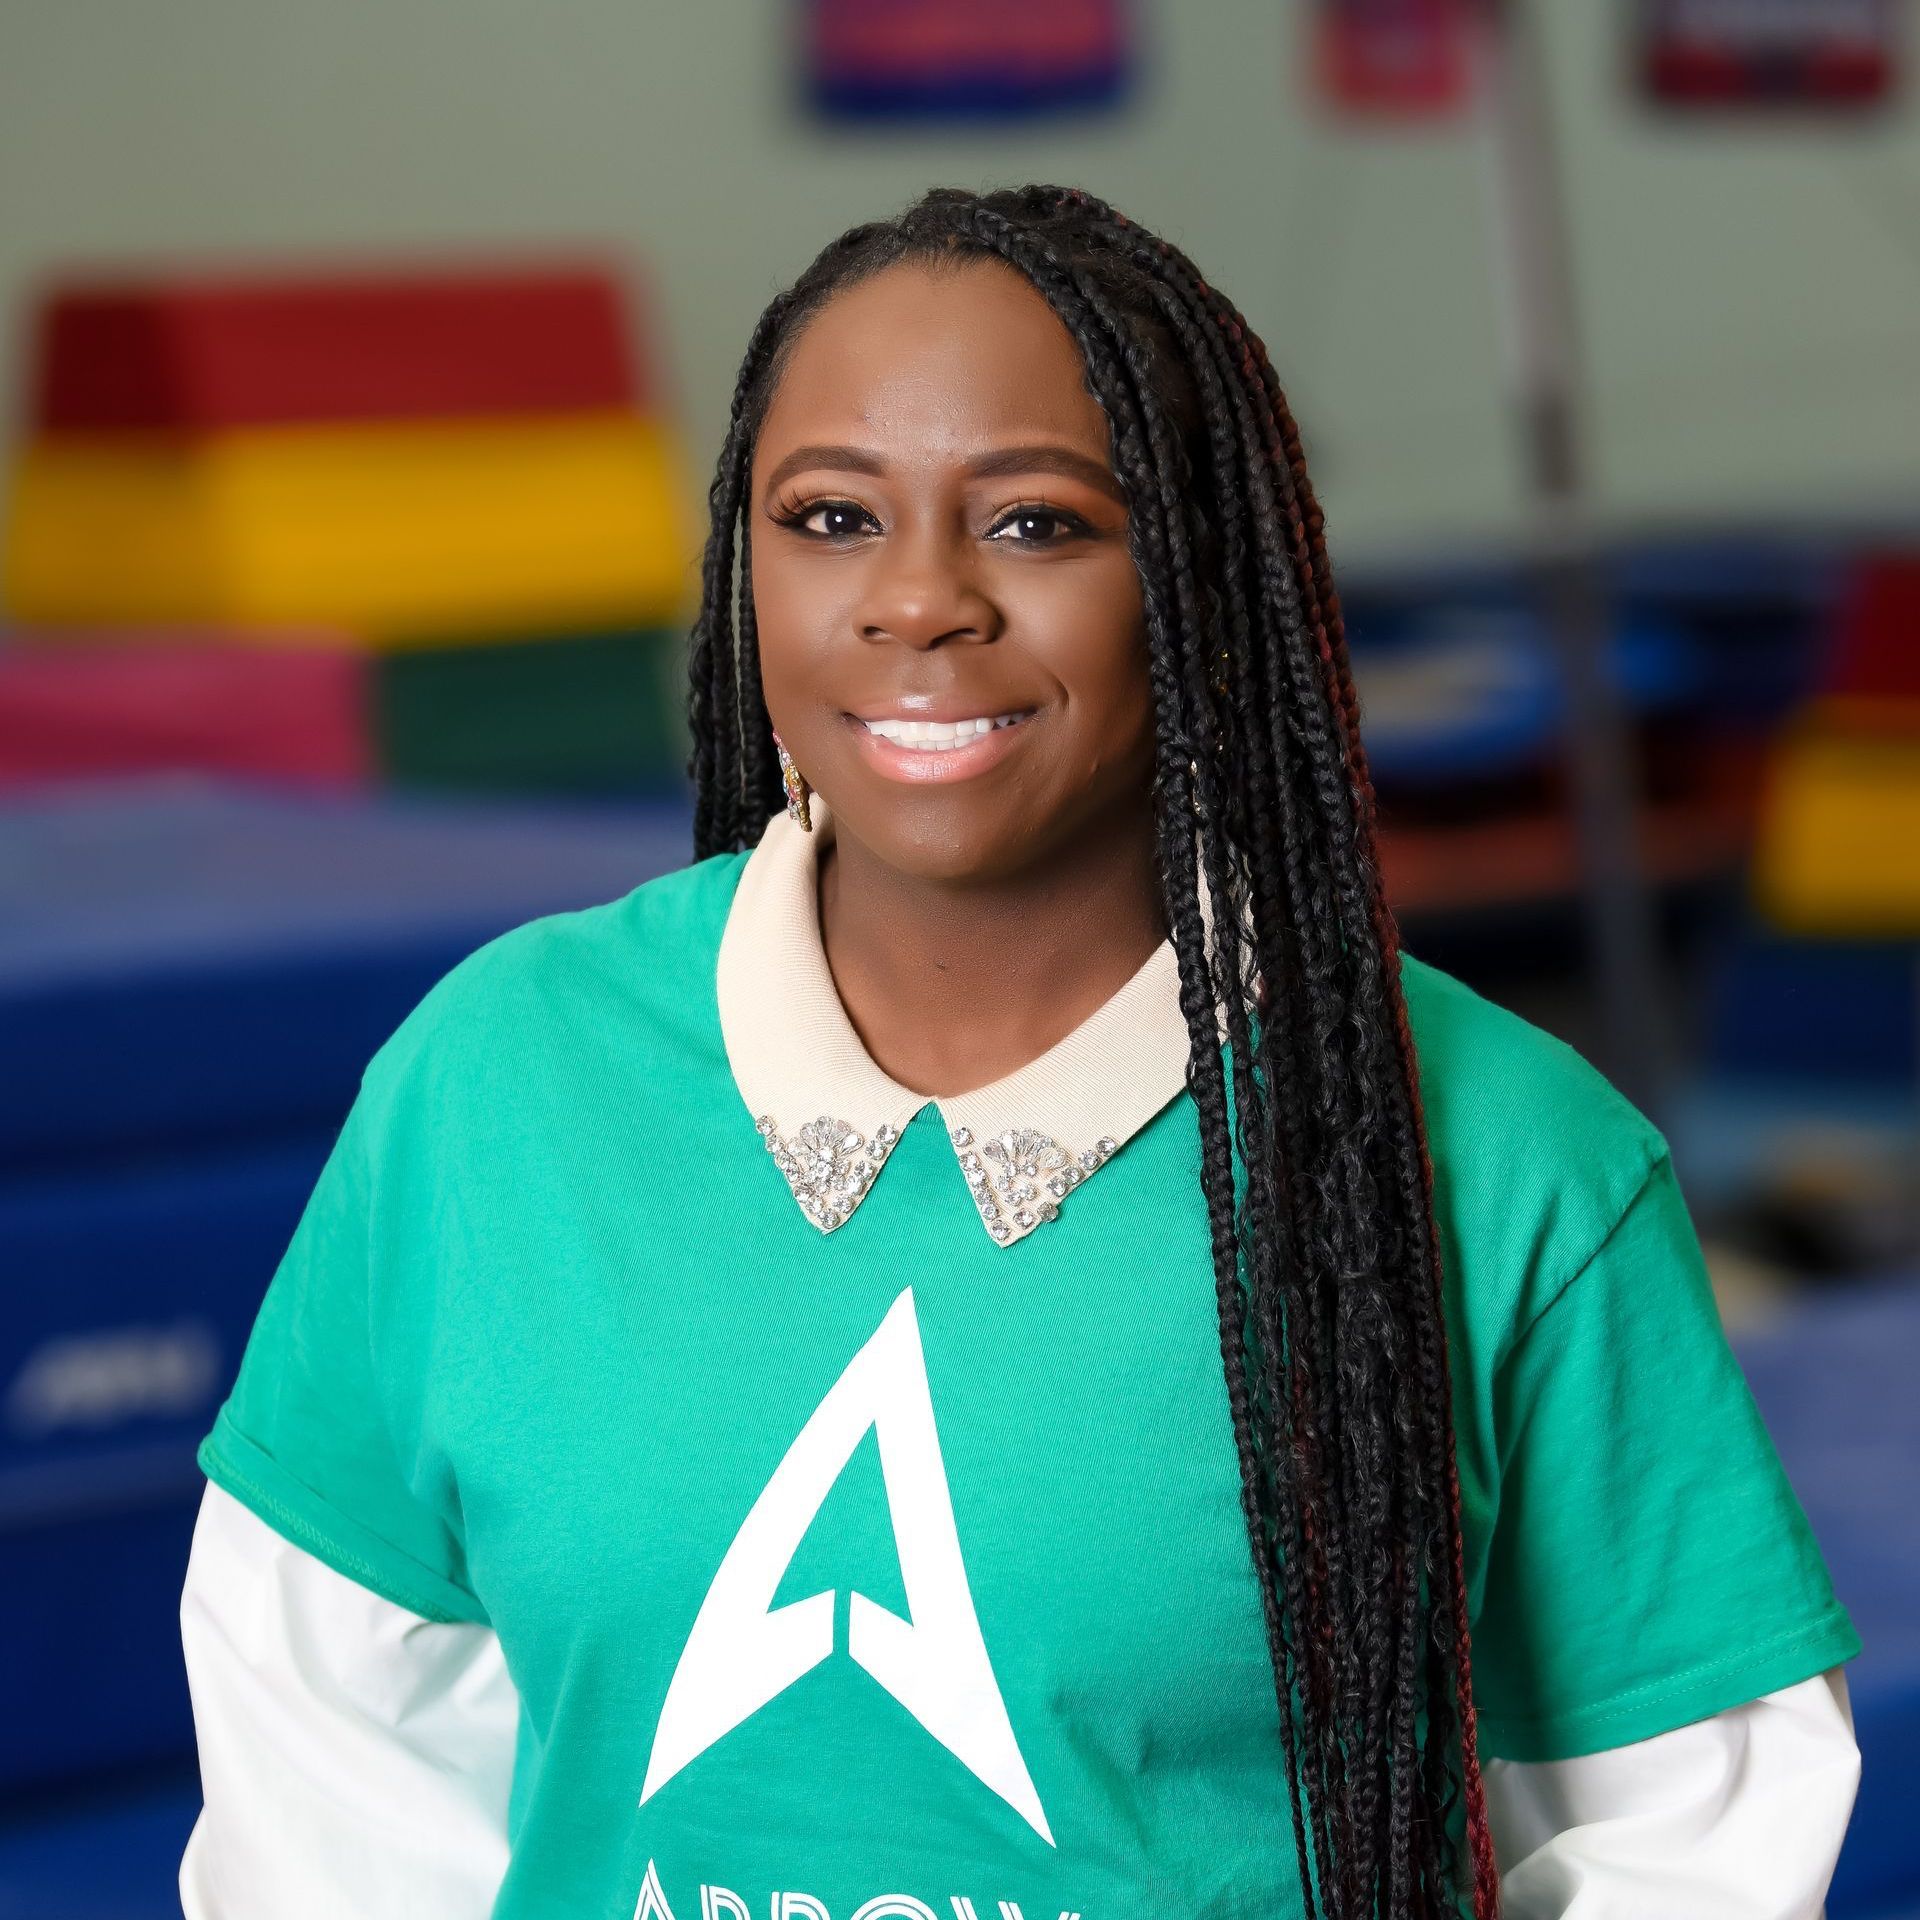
(743, 1652)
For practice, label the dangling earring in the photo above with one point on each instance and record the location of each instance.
(795, 783)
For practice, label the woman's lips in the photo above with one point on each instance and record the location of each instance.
(937, 750)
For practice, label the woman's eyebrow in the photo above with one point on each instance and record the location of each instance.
(1049, 459)
(1001, 462)
(836, 459)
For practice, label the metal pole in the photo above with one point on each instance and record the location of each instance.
(1542, 348)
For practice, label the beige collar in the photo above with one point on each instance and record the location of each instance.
(830, 1115)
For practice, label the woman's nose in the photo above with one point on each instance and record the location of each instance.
(922, 591)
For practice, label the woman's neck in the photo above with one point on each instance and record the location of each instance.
(953, 986)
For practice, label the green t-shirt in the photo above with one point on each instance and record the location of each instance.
(904, 1572)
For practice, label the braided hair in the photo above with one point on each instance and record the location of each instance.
(1326, 1260)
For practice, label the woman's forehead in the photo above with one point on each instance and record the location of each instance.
(931, 358)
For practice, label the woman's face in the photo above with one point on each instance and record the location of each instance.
(939, 554)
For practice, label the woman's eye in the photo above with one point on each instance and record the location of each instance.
(1038, 526)
(834, 519)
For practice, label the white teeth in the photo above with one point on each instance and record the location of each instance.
(937, 736)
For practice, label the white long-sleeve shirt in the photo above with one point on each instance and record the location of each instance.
(357, 1758)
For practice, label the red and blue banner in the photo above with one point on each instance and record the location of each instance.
(1393, 59)
(1711, 54)
(965, 59)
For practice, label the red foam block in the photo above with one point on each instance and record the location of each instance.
(295, 712)
(1876, 654)
(203, 354)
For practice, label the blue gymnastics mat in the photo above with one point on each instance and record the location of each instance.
(110, 1856)
(1834, 1379)
(131, 1292)
(185, 957)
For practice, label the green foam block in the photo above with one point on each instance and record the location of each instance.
(566, 713)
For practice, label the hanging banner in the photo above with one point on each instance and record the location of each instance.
(965, 59)
(1393, 59)
(1711, 54)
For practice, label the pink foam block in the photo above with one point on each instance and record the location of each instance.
(297, 711)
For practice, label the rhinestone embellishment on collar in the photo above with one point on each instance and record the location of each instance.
(1022, 1174)
(1017, 1178)
(828, 1163)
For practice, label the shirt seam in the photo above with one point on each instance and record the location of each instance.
(299, 1527)
(1653, 1692)
(1660, 1158)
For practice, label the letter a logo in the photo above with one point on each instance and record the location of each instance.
(743, 1652)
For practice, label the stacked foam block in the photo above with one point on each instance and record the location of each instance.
(455, 485)
(344, 534)
(1839, 851)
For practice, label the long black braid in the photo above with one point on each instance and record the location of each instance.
(1327, 1270)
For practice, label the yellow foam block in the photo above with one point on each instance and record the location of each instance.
(1839, 843)
(410, 533)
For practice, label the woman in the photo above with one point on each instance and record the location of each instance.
(1264, 1432)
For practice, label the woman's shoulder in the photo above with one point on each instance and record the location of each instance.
(1536, 1153)
(643, 961)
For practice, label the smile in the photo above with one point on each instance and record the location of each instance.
(938, 736)
(919, 751)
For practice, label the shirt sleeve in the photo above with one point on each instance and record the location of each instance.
(1739, 1815)
(321, 1435)
(1649, 1564)
(355, 1758)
